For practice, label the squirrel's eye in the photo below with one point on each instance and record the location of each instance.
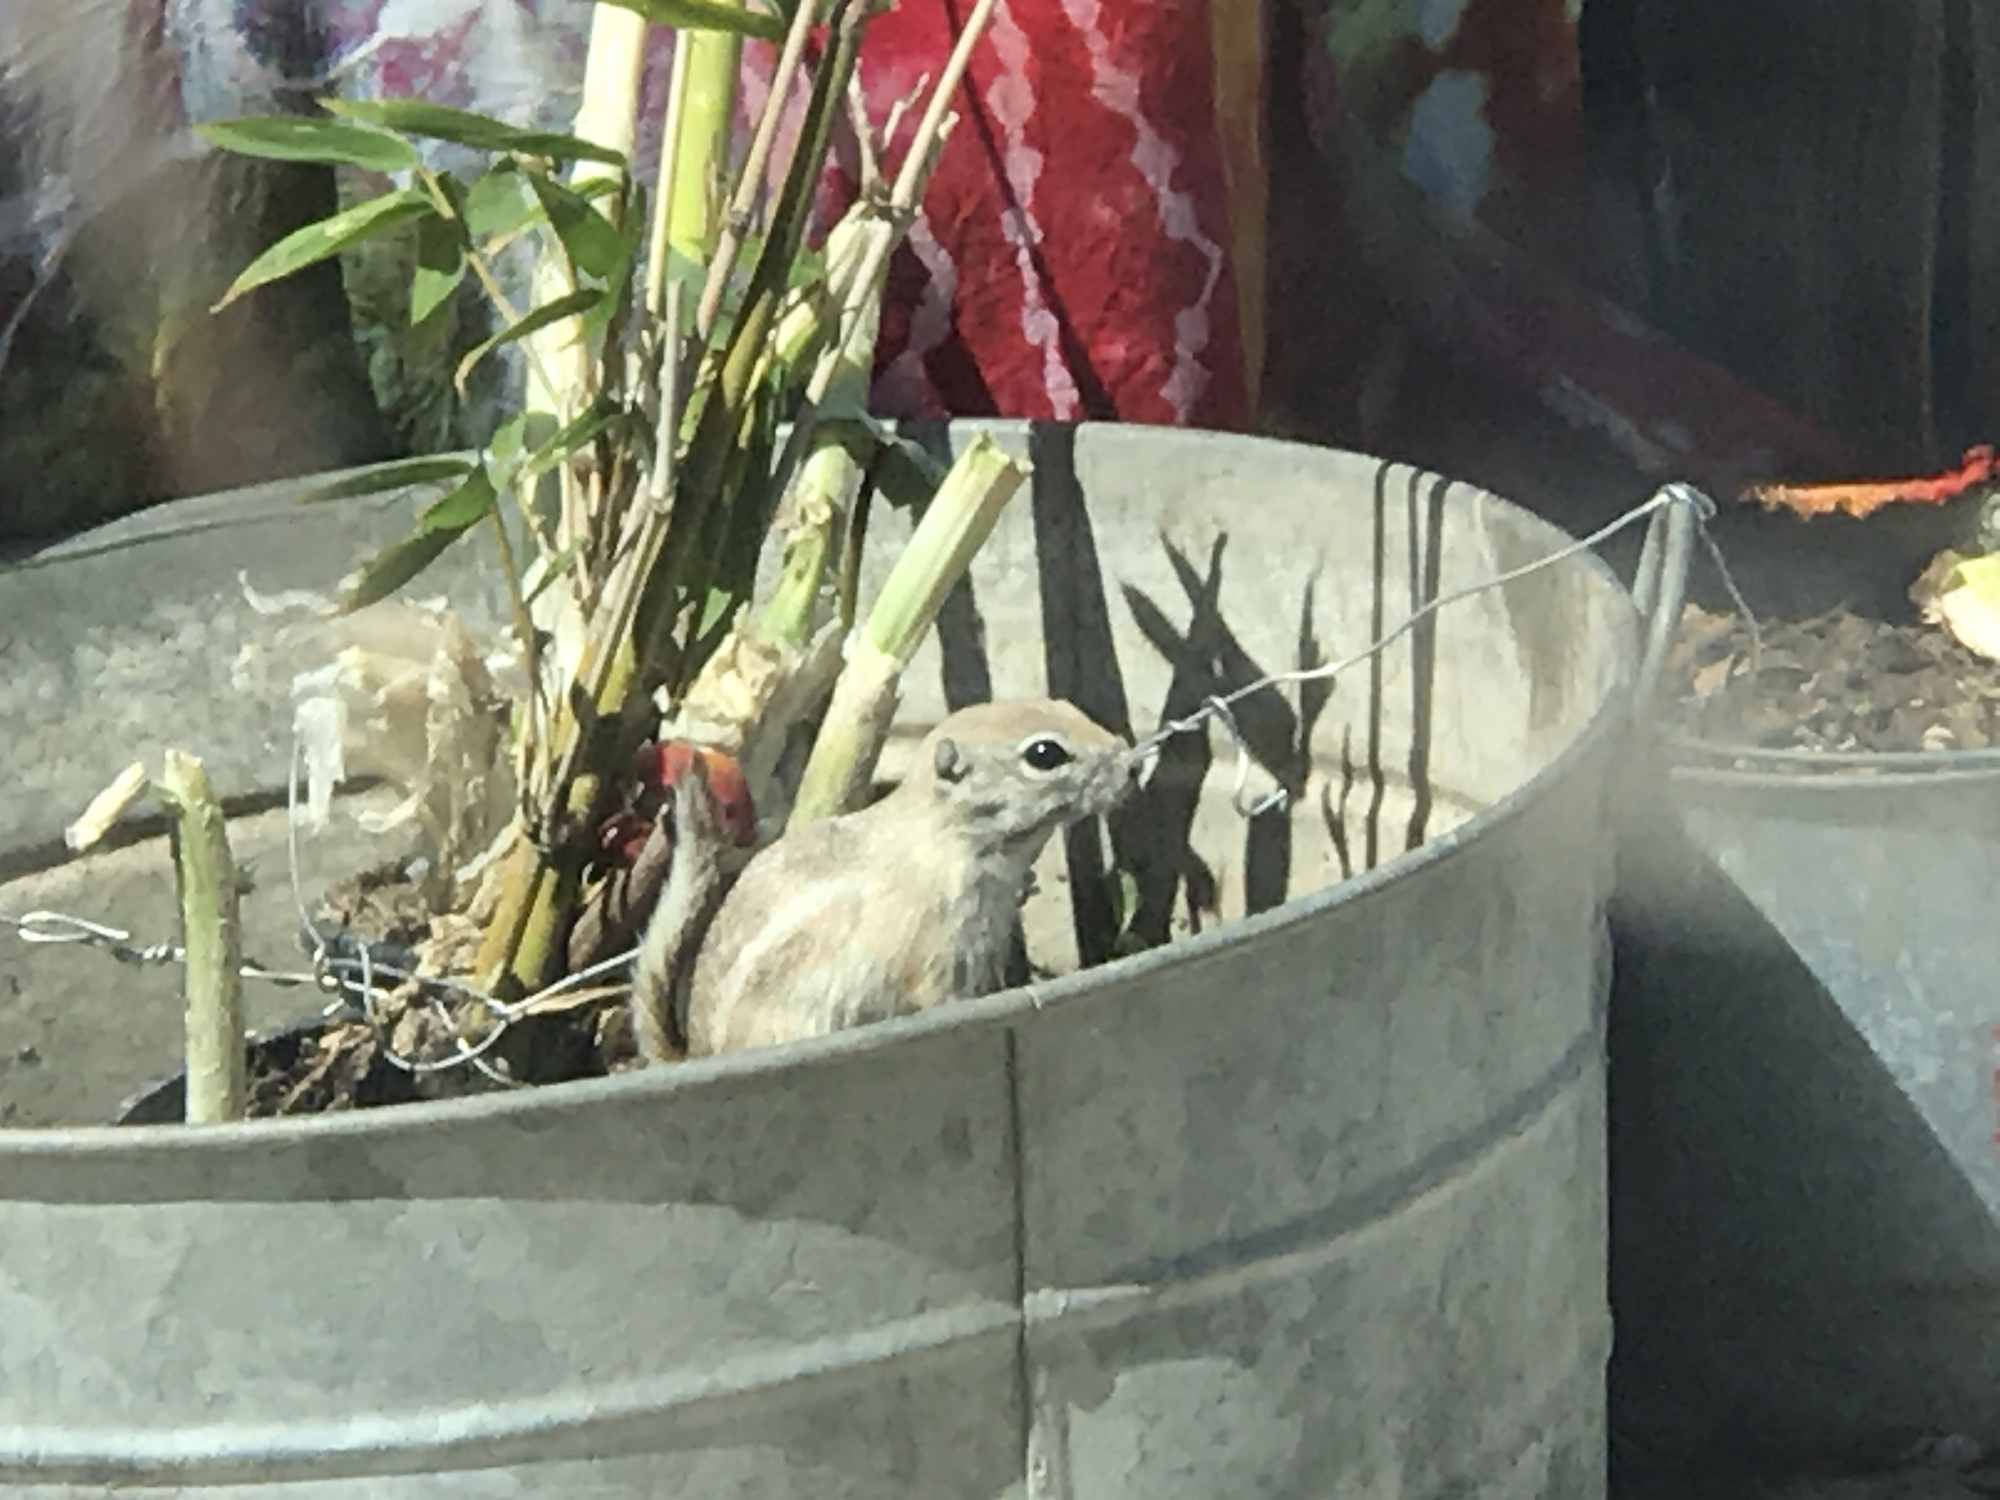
(1046, 755)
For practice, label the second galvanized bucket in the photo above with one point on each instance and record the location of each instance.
(1806, 1094)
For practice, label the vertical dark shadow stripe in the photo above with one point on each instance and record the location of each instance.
(1081, 663)
(1423, 652)
(1377, 612)
(966, 674)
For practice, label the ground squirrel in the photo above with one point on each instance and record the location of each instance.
(882, 912)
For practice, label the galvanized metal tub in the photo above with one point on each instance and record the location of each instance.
(1805, 1256)
(1308, 1204)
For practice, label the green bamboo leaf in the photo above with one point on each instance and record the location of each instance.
(499, 203)
(632, 233)
(1123, 889)
(578, 433)
(463, 507)
(327, 238)
(392, 567)
(737, 532)
(684, 272)
(707, 15)
(534, 322)
(808, 266)
(438, 527)
(595, 246)
(378, 478)
(517, 441)
(904, 474)
(503, 452)
(462, 127)
(1125, 904)
(297, 138)
(440, 267)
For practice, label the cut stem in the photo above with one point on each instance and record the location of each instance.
(205, 874)
(864, 700)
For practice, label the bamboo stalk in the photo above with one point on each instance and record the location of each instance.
(954, 526)
(858, 719)
(608, 115)
(671, 147)
(714, 58)
(205, 874)
(857, 259)
(613, 74)
(827, 480)
(736, 220)
(523, 944)
(724, 396)
(872, 256)
(746, 691)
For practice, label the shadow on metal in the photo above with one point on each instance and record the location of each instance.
(1308, 1203)
(1805, 1260)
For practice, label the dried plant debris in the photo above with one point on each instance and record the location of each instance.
(345, 1064)
(1835, 682)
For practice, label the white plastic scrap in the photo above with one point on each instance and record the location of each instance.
(397, 690)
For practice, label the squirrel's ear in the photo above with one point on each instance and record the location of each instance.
(947, 762)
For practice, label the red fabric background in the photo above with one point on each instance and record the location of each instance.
(1073, 259)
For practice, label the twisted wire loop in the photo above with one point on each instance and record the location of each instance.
(1217, 708)
(352, 978)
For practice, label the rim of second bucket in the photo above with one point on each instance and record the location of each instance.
(1724, 762)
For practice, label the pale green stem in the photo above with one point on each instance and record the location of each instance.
(672, 143)
(714, 58)
(612, 76)
(916, 168)
(829, 475)
(954, 526)
(217, 1069)
(736, 220)
(608, 116)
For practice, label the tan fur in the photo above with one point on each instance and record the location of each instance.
(908, 903)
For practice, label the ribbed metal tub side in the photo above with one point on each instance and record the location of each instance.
(1310, 1202)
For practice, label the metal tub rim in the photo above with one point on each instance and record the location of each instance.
(1609, 718)
(1696, 761)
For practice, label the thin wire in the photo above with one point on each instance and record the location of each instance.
(323, 965)
(1736, 598)
(55, 927)
(1218, 707)
(330, 972)
(42, 926)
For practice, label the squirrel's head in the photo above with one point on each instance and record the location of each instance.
(1008, 774)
